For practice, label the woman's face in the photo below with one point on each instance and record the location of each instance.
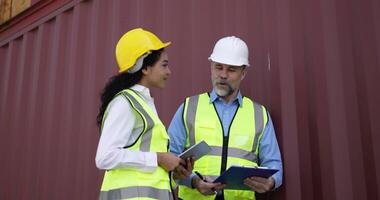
(156, 75)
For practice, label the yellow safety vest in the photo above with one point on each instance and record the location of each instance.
(240, 147)
(129, 183)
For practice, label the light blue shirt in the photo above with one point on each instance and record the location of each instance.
(269, 152)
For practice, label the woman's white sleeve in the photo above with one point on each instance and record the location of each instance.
(116, 133)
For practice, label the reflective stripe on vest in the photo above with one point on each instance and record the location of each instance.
(259, 124)
(234, 152)
(131, 182)
(148, 122)
(134, 192)
(190, 117)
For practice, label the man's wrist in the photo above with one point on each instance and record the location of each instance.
(194, 181)
(273, 184)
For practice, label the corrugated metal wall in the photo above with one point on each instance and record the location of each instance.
(316, 65)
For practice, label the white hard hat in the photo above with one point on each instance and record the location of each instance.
(231, 51)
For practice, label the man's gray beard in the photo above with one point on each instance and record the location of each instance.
(224, 93)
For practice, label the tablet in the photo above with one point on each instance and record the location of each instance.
(196, 151)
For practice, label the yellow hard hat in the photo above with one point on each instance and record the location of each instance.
(133, 44)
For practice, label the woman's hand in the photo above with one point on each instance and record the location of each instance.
(169, 161)
(183, 172)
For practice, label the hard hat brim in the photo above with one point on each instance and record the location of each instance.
(228, 62)
(164, 45)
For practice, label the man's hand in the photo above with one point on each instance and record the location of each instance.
(259, 184)
(183, 172)
(206, 187)
(169, 161)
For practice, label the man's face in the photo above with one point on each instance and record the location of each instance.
(226, 79)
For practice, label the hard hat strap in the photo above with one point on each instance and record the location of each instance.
(138, 63)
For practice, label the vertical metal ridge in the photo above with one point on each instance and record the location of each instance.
(6, 114)
(33, 115)
(68, 97)
(16, 110)
(5, 76)
(287, 95)
(90, 71)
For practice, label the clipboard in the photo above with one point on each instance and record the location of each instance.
(235, 175)
(197, 151)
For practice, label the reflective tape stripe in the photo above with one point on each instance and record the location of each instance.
(147, 136)
(133, 192)
(259, 124)
(234, 152)
(190, 116)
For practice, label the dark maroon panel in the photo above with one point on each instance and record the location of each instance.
(315, 65)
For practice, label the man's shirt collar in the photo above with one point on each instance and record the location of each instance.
(214, 97)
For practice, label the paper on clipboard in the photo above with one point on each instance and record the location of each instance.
(196, 151)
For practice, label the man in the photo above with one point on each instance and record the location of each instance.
(239, 130)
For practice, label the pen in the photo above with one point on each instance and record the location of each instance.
(200, 175)
(203, 179)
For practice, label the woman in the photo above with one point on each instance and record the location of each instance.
(133, 143)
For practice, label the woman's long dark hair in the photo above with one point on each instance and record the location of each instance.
(123, 81)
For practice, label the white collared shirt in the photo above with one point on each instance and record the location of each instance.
(121, 128)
